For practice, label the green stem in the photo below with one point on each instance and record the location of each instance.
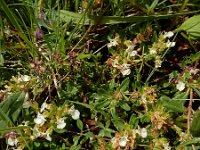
(183, 5)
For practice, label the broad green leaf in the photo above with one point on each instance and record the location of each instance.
(191, 26)
(173, 105)
(79, 124)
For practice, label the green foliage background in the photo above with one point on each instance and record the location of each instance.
(76, 56)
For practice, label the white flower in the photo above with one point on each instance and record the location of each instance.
(113, 42)
(142, 132)
(60, 123)
(36, 133)
(194, 71)
(44, 106)
(168, 34)
(130, 45)
(180, 86)
(133, 53)
(24, 78)
(12, 141)
(125, 69)
(40, 119)
(26, 104)
(115, 63)
(47, 135)
(123, 141)
(152, 51)
(170, 44)
(114, 142)
(158, 62)
(74, 113)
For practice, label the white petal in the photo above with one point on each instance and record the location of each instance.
(133, 53)
(40, 119)
(75, 114)
(126, 71)
(25, 78)
(48, 135)
(61, 123)
(168, 34)
(180, 86)
(12, 141)
(170, 44)
(143, 132)
(152, 51)
(123, 141)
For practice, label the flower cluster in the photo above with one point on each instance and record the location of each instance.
(124, 59)
(160, 46)
(49, 118)
(127, 138)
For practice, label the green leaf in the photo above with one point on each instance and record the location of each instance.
(1, 60)
(77, 18)
(133, 120)
(195, 127)
(124, 105)
(83, 56)
(12, 105)
(118, 123)
(191, 26)
(173, 105)
(76, 139)
(124, 85)
(79, 124)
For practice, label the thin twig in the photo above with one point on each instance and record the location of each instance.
(189, 110)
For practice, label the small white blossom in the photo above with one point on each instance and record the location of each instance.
(24, 78)
(114, 141)
(47, 135)
(44, 106)
(60, 123)
(133, 53)
(170, 44)
(142, 132)
(152, 51)
(26, 104)
(123, 141)
(158, 62)
(74, 113)
(12, 141)
(194, 71)
(113, 42)
(125, 69)
(168, 34)
(180, 86)
(40, 119)
(130, 45)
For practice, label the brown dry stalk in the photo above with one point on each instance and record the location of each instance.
(189, 110)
